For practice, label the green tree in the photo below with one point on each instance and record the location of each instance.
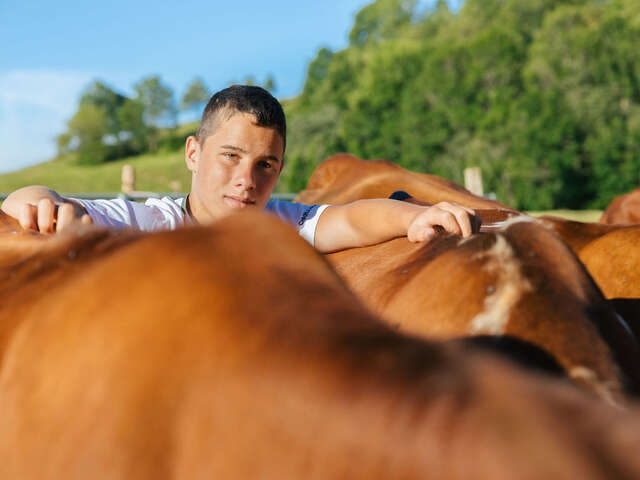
(101, 95)
(158, 107)
(381, 20)
(63, 143)
(317, 72)
(270, 84)
(311, 138)
(88, 129)
(157, 101)
(133, 130)
(436, 92)
(586, 56)
(196, 96)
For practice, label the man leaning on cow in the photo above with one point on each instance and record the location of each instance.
(236, 158)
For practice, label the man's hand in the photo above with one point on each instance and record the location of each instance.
(453, 218)
(43, 210)
(50, 217)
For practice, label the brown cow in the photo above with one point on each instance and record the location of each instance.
(624, 209)
(611, 253)
(504, 282)
(345, 178)
(216, 352)
(614, 262)
(32, 264)
(577, 234)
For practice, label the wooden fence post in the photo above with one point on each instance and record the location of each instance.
(128, 179)
(473, 180)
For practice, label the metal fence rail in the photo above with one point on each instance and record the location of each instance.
(137, 196)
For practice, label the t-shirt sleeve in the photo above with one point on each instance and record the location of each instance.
(119, 213)
(304, 218)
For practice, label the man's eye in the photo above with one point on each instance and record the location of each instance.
(265, 165)
(229, 155)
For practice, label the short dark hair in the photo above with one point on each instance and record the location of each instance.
(246, 99)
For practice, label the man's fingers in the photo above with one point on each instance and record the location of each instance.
(428, 233)
(69, 220)
(66, 216)
(421, 234)
(467, 219)
(447, 216)
(28, 217)
(447, 220)
(46, 216)
(462, 215)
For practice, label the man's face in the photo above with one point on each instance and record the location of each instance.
(236, 168)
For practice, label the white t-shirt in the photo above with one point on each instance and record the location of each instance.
(166, 214)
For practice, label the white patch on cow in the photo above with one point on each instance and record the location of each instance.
(587, 376)
(504, 224)
(510, 284)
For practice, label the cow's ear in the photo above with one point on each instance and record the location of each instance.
(192, 153)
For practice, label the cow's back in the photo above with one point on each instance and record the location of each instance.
(614, 261)
(520, 280)
(234, 351)
(611, 253)
(345, 178)
(624, 209)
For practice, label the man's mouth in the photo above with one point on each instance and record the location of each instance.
(238, 202)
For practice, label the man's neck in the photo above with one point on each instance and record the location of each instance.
(186, 209)
(196, 211)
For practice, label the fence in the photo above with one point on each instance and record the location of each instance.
(129, 191)
(137, 196)
(472, 181)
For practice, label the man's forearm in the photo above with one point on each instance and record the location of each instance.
(367, 222)
(364, 222)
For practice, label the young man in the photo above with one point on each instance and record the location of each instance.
(236, 158)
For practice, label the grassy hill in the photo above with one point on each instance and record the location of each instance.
(160, 172)
(163, 171)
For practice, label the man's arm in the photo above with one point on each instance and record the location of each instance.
(42, 209)
(367, 222)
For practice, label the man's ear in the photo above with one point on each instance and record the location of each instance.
(192, 153)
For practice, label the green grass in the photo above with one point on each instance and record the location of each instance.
(578, 215)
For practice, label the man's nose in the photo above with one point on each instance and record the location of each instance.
(245, 177)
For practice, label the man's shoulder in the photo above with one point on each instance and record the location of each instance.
(287, 208)
(154, 214)
(304, 218)
(173, 204)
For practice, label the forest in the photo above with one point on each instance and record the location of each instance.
(542, 95)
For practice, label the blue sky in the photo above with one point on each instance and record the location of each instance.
(52, 50)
